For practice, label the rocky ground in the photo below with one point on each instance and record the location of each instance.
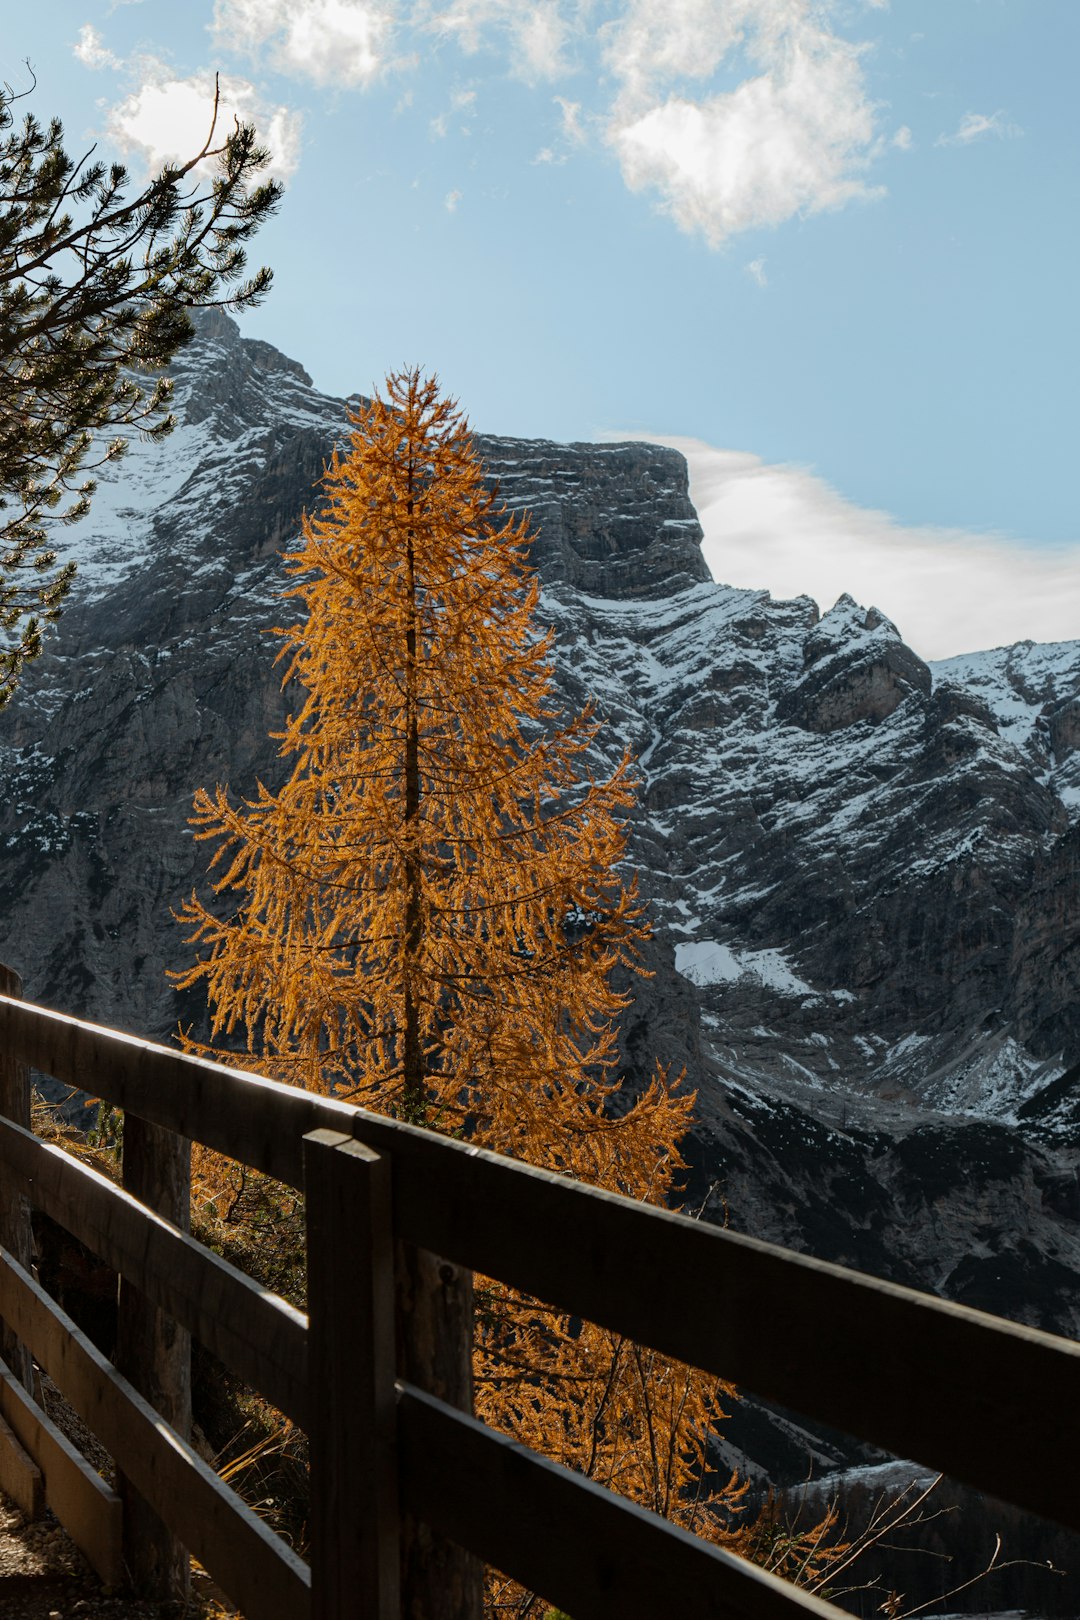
(43, 1576)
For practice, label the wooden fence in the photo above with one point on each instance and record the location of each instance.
(983, 1400)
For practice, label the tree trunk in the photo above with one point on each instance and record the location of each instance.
(439, 1580)
(412, 1054)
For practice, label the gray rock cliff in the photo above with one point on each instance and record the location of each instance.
(865, 871)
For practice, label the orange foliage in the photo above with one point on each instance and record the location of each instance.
(427, 916)
(430, 908)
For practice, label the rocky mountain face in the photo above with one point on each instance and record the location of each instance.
(864, 870)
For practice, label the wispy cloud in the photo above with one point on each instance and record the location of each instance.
(462, 108)
(792, 131)
(949, 590)
(572, 127)
(733, 114)
(451, 201)
(976, 126)
(756, 271)
(92, 51)
(536, 36)
(541, 38)
(328, 42)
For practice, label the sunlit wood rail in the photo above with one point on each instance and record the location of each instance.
(983, 1400)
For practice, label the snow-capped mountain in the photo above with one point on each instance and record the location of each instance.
(865, 871)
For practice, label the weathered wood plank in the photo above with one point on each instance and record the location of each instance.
(15, 1233)
(922, 1377)
(89, 1511)
(355, 1545)
(261, 1337)
(153, 1351)
(20, 1476)
(262, 1576)
(579, 1546)
(242, 1115)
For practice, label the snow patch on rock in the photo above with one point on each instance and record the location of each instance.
(706, 961)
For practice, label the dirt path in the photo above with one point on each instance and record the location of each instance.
(43, 1576)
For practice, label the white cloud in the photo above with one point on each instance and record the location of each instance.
(92, 50)
(167, 119)
(330, 42)
(974, 126)
(756, 270)
(903, 139)
(451, 200)
(948, 590)
(793, 137)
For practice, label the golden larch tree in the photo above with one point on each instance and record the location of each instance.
(429, 915)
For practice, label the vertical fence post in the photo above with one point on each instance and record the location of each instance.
(14, 1209)
(440, 1580)
(154, 1352)
(355, 1550)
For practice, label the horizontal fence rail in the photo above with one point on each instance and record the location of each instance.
(253, 1565)
(927, 1379)
(261, 1337)
(512, 1507)
(983, 1400)
(88, 1508)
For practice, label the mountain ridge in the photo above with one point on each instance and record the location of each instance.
(864, 868)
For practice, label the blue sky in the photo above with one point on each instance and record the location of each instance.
(830, 246)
